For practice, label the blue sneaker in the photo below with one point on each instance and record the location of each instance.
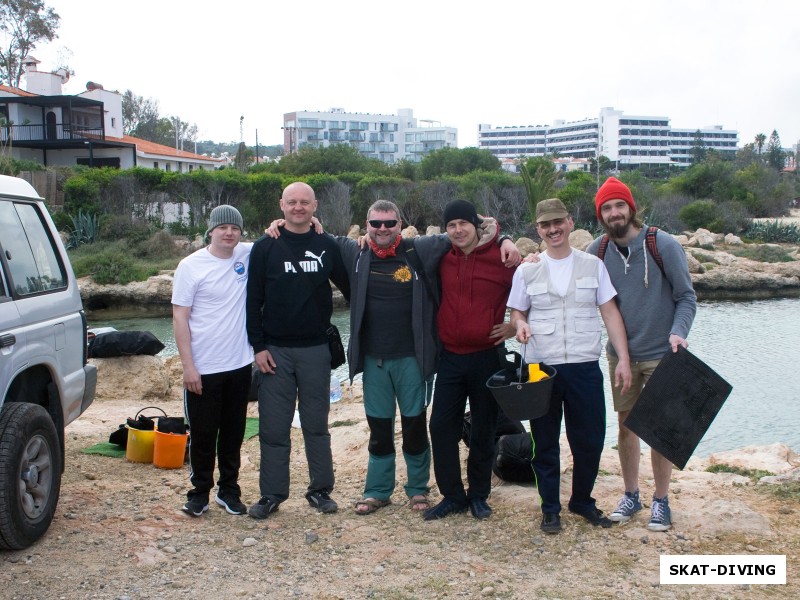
(660, 517)
(628, 506)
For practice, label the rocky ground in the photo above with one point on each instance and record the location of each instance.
(119, 533)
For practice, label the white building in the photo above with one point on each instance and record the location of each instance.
(626, 140)
(388, 138)
(43, 125)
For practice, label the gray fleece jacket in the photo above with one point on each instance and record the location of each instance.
(430, 250)
(653, 306)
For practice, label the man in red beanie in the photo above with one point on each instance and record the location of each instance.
(658, 305)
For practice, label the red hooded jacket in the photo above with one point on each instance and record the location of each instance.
(475, 290)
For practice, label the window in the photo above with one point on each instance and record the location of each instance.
(168, 167)
(113, 121)
(32, 260)
(155, 164)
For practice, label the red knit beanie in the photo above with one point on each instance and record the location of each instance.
(613, 189)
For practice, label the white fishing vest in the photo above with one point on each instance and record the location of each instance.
(563, 329)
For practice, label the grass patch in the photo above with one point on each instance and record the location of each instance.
(437, 584)
(705, 258)
(754, 474)
(784, 491)
(760, 253)
(345, 423)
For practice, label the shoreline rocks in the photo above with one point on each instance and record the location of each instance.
(716, 273)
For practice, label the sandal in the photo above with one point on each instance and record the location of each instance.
(419, 503)
(372, 505)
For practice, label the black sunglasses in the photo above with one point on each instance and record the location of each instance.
(388, 223)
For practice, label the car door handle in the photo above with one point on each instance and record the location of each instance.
(7, 340)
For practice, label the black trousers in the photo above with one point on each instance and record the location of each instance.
(461, 376)
(216, 420)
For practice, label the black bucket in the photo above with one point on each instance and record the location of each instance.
(522, 401)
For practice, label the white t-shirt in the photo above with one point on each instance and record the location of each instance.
(560, 274)
(215, 289)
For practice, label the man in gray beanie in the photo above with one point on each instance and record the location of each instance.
(208, 308)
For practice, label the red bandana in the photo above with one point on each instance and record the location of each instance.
(384, 252)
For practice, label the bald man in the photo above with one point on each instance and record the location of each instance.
(288, 313)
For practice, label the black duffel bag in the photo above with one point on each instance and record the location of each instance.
(514, 458)
(124, 343)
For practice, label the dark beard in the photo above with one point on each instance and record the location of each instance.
(618, 230)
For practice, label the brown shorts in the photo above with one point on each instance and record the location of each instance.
(640, 373)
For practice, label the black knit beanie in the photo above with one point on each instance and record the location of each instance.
(461, 209)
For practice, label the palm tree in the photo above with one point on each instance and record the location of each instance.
(539, 177)
(760, 139)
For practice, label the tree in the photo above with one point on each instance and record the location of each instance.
(605, 165)
(139, 115)
(23, 23)
(760, 139)
(698, 148)
(539, 176)
(340, 158)
(456, 161)
(775, 155)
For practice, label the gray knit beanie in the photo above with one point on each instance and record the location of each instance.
(224, 214)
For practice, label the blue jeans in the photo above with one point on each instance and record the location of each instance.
(578, 396)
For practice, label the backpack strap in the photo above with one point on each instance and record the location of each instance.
(601, 249)
(652, 247)
(650, 242)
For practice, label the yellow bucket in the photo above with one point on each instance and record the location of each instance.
(141, 445)
(170, 450)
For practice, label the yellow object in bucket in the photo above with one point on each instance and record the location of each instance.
(140, 446)
(170, 450)
(535, 373)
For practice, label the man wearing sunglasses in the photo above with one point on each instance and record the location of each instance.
(394, 341)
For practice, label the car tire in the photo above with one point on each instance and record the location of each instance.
(30, 473)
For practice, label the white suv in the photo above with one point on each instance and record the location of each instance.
(45, 380)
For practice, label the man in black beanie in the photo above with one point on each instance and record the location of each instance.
(470, 321)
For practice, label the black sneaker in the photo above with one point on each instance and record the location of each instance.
(594, 516)
(231, 504)
(263, 508)
(322, 502)
(195, 506)
(444, 508)
(479, 508)
(551, 523)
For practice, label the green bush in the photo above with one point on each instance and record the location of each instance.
(62, 220)
(115, 262)
(158, 247)
(186, 230)
(118, 227)
(700, 213)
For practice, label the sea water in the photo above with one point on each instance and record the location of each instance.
(754, 345)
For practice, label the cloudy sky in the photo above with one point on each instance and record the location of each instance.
(729, 63)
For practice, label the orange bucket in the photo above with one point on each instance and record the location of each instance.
(170, 449)
(140, 445)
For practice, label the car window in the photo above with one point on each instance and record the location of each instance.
(32, 261)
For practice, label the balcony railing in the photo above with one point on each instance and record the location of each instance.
(40, 133)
